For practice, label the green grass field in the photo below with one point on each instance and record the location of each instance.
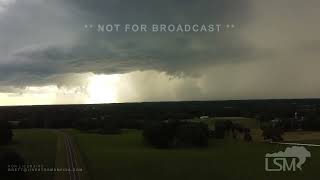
(37, 147)
(122, 157)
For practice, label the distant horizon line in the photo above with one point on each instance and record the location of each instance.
(168, 101)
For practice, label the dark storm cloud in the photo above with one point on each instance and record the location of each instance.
(273, 52)
(165, 11)
(42, 39)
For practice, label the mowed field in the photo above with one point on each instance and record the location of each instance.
(124, 156)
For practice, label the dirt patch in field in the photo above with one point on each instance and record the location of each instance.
(293, 136)
(301, 135)
(256, 135)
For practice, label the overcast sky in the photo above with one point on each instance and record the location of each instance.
(47, 56)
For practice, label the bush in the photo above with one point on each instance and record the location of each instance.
(160, 135)
(176, 133)
(220, 128)
(238, 127)
(110, 128)
(228, 125)
(247, 135)
(192, 134)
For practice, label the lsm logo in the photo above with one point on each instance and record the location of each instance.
(289, 160)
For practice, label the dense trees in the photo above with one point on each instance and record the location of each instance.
(312, 121)
(98, 125)
(192, 134)
(223, 128)
(5, 132)
(176, 134)
(160, 135)
(9, 157)
(132, 115)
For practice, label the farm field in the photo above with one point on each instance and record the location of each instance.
(125, 156)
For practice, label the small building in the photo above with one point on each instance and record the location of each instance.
(204, 117)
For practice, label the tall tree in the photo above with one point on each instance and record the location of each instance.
(5, 132)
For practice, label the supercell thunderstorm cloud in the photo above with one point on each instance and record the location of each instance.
(53, 52)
